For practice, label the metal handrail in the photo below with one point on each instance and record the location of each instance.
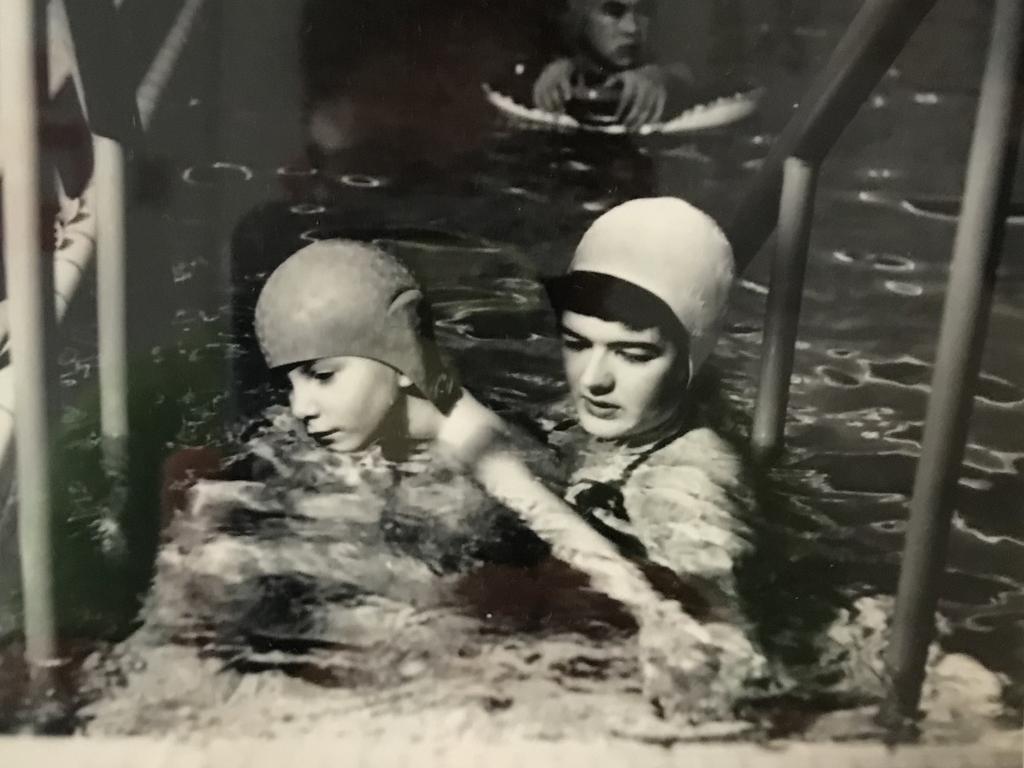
(864, 54)
(35, 284)
(880, 30)
(154, 82)
(782, 313)
(30, 288)
(976, 251)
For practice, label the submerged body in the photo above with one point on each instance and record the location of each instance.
(327, 594)
(351, 582)
(684, 503)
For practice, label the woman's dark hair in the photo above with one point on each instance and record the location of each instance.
(608, 298)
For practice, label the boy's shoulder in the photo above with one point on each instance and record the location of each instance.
(471, 430)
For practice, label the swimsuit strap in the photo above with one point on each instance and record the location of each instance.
(608, 496)
(642, 457)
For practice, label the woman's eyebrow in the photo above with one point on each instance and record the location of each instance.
(565, 331)
(647, 346)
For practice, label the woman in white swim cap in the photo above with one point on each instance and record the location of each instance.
(640, 308)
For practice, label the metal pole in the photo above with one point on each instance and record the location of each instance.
(160, 70)
(867, 50)
(29, 275)
(782, 314)
(964, 323)
(112, 298)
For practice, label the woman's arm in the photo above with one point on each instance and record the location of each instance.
(479, 440)
(686, 666)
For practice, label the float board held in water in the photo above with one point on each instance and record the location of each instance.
(719, 112)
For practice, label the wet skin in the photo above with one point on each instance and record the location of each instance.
(344, 401)
(625, 384)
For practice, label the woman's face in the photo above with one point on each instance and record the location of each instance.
(344, 401)
(624, 383)
(615, 30)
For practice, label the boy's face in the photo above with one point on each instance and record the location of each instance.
(615, 30)
(343, 401)
(624, 383)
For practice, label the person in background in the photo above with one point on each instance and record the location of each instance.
(605, 57)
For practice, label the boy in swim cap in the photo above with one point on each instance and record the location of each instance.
(640, 309)
(343, 319)
(347, 324)
(606, 41)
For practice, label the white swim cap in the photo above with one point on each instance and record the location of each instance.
(341, 297)
(673, 251)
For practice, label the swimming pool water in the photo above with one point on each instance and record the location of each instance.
(482, 231)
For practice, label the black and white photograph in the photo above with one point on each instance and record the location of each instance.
(512, 383)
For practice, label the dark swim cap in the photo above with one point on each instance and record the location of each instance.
(345, 298)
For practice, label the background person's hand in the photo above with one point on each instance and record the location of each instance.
(643, 96)
(553, 87)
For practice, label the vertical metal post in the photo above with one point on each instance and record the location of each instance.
(29, 272)
(112, 297)
(159, 73)
(782, 315)
(964, 323)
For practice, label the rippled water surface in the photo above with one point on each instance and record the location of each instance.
(482, 232)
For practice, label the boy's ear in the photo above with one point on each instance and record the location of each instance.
(410, 300)
(404, 299)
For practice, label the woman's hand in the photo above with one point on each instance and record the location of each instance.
(643, 98)
(553, 87)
